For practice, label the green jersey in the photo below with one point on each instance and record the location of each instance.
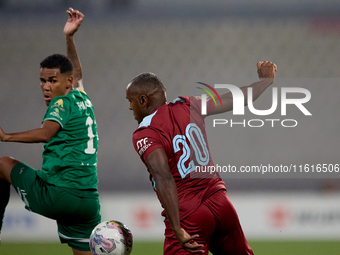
(70, 157)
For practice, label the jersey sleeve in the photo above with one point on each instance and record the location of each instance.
(59, 110)
(145, 140)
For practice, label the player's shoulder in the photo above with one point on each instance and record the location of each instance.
(81, 90)
(186, 100)
(156, 119)
(146, 122)
(180, 99)
(59, 101)
(150, 125)
(78, 94)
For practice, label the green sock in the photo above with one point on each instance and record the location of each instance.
(4, 198)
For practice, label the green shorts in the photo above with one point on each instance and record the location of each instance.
(76, 216)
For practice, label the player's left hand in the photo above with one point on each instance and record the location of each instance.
(75, 18)
(187, 242)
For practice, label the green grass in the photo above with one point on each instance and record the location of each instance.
(155, 248)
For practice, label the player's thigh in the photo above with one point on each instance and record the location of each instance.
(6, 166)
(25, 182)
(228, 237)
(76, 223)
(39, 196)
(76, 216)
(49, 200)
(201, 222)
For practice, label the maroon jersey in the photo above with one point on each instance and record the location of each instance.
(179, 129)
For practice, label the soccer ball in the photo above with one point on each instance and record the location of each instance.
(111, 237)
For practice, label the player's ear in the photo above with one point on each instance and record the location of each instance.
(69, 82)
(144, 100)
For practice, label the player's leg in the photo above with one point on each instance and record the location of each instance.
(228, 237)
(76, 222)
(76, 216)
(4, 198)
(201, 222)
(78, 252)
(6, 166)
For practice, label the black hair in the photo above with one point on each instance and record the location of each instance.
(57, 61)
(148, 81)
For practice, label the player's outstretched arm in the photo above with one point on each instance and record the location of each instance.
(166, 188)
(75, 18)
(38, 135)
(266, 71)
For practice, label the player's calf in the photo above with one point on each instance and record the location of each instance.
(4, 198)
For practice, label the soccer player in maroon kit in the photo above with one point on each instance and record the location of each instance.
(171, 140)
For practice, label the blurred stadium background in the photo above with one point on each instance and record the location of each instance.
(184, 42)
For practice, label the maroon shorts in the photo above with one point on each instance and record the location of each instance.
(218, 226)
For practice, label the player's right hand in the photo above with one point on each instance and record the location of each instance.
(75, 18)
(266, 69)
(187, 242)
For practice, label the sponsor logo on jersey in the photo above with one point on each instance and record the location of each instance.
(56, 113)
(60, 103)
(143, 145)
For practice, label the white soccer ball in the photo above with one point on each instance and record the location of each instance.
(111, 237)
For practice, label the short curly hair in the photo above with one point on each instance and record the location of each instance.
(57, 61)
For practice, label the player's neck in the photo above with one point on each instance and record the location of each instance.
(155, 106)
(68, 90)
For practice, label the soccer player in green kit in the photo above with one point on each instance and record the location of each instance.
(65, 189)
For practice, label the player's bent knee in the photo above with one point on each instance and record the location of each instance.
(6, 166)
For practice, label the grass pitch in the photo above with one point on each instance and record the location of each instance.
(156, 248)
